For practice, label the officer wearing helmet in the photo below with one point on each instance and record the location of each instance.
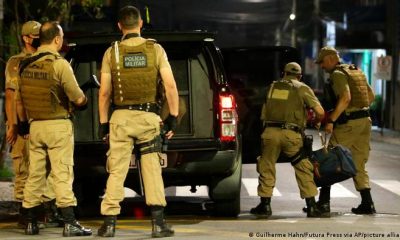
(19, 143)
(284, 117)
(349, 122)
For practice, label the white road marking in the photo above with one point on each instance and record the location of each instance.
(251, 187)
(390, 185)
(202, 191)
(338, 191)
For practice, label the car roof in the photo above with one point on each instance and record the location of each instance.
(161, 36)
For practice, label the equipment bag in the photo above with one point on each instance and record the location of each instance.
(332, 165)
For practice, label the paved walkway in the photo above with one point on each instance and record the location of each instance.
(385, 135)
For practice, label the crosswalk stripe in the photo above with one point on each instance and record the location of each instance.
(251, 185)
(339, 191)
(185, 191)
(130, 193)
(390, 185)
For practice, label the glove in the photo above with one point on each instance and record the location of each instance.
(23, 128)
(170, 123)
(104, 129)
(81, 108)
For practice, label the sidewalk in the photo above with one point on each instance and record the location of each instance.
(385, 135)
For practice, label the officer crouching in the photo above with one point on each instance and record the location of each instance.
(284, 115)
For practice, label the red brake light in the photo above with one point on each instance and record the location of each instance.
(227, 117)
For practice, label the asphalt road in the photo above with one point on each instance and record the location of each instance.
(191, 220)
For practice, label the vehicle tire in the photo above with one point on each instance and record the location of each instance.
(228, 208)
(225, 193)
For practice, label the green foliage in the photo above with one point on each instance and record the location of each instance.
(5, 173)
(376, 105)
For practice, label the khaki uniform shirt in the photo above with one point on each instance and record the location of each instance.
(161, 56)
(12, 72)
(305, 93)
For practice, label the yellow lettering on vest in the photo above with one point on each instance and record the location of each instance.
(280, 94)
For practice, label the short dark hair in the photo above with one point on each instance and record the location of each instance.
(48, 31)
(129, 17)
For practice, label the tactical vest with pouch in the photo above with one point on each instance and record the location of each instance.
(43, 97)
(134, 73)
(358, 85)
(283, 104)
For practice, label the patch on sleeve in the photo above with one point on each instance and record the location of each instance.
(280, 94)
(138, 60)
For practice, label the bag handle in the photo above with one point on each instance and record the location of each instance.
(324, 141)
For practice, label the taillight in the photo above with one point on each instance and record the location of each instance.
(227, 117)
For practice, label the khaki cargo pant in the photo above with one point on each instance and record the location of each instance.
(128, 127)
(52, 139)
(20, 156)
(356, 135)
(275, 141)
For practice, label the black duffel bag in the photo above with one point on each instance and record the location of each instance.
(332, 165)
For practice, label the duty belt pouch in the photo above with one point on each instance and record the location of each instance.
(332, 165)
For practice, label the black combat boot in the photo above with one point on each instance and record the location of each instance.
(159, 226)
(323, 203)
(312, 208)
(31, 227)
(367, 205)
(324, 199)
(22, 217)
(52, 218)
(72, 227)
(263, 209)
(108, 227)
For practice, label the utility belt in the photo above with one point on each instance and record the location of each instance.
(55, 118)
(146, 107)
(285, 126)
(345, 117)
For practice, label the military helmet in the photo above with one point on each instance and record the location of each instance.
(293, 68)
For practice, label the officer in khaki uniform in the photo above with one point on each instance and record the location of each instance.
(284, 116)
(349, 122)
(47, 85)
(20, 145)
(129, 75)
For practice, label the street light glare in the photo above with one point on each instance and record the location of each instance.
(292, 16)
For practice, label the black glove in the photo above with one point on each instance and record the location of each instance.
(104, 129)
(81, 108)
(23, 128)
(170, 123)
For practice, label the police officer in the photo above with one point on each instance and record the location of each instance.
(47, 85)
(19, 145)
(349, 122)
(129, 78)
(284, 115)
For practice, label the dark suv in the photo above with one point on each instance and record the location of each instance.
(206, 149)
(249, 71)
